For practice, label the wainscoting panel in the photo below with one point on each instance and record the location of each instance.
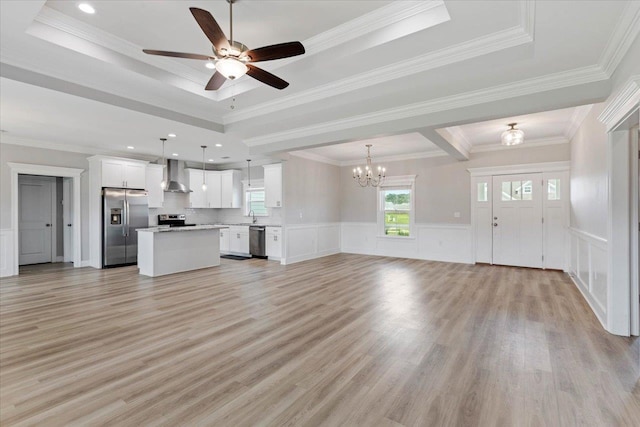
(308, 241)
(6, 253)
(588, 270)
(436, 242)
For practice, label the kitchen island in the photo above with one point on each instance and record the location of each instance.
(164, 250)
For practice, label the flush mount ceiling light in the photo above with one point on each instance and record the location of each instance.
(366, 177)
(86, 8)
(172, 135)
(175, 154)
(512, 136)
(130, 147)
(218, 145)
(233, 59)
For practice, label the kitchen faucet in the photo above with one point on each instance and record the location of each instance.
(252, 214)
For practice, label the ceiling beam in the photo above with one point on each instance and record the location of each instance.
(452, 144)
(30, 77)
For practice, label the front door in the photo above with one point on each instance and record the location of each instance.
(35, 213)
(517, 220)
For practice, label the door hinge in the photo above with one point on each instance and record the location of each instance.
(543, 220)
(542, 258)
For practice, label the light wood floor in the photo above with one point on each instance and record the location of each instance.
(343, 340)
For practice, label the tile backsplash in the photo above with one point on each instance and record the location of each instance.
(176, 203)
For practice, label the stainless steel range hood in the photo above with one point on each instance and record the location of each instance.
(175, 171)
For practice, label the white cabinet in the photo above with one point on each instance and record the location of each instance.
(273, 238)
(197, 197)
(224, 189)
(123, 174)
(224, 240)
(214, 189)
(155, 192)
(231, 189)
(239, 239)
(273, 185)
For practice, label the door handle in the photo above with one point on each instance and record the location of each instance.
(495, 224)
(495, 218)
(68, 225)
(48, 225)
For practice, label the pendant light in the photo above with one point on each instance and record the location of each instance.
(163, 184)
(512, 136)
(204, 182)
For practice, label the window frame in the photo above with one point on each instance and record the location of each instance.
(256, 185)
(406, 182)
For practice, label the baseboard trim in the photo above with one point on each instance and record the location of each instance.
(576, 281)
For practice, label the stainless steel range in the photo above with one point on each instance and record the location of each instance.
(173, 220)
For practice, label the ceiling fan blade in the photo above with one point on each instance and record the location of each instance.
(177, 54)
(266, 77)
(276, 51)
(211, 28)
(215, 81)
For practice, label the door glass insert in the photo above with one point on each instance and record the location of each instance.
(527, 190)
(506, 191)
(483, 191)
(553, 189)
(516, 190)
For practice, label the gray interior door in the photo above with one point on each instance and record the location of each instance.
(138, 217)
(114, 239)
(35, 213)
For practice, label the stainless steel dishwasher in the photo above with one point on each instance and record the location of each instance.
(257, 241)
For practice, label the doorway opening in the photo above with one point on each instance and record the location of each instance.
(34, 192)
(44, 220)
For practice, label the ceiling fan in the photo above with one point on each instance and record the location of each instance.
(233, 59)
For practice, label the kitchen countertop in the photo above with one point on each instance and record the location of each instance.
(246, 224)
(162, 229)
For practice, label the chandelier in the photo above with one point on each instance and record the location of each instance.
(366, 177)
(512, 136)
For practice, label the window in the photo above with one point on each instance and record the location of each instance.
(254, 201)
(396, 207)
(553, 189)
(483, 191)
(517, 190)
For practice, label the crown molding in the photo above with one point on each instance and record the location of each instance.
(531, 143)
(500, 40)
(398, 157)
(374, 21)
(534, 85)
(74, 27)
(623, 35)
(578, 116)
(71, 148)
(622, 103)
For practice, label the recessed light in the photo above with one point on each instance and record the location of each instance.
(211, 160)
(210, 65)
(130, 147)
(86, 8)
(172, 135)
(175, 154)
(218, 145)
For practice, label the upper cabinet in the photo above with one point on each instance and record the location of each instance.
(123, 173)
(155, 191)
(198, 196)
(224, 189)
(273, 185)
(231, 189)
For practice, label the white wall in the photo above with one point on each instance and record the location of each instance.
(31, 155)
(312, 209)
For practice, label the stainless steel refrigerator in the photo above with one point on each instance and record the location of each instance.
(123, 212)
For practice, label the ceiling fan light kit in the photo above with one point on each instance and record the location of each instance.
(232, 59)
(512, 136)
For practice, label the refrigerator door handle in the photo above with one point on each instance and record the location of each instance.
(125, 218)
